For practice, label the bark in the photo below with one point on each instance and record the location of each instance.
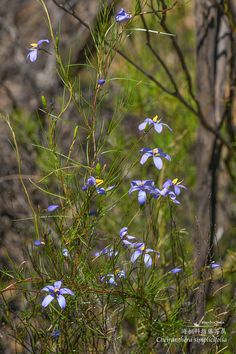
(214, 74)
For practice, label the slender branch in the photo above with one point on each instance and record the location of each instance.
(71, 12)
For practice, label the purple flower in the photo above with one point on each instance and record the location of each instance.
(52, 207)
(157, 154)
(56, 333)
(176, 270)
(112, 278)
(38, 243)
(172, 188)
(155, 122)
(174, 184)
(103, 191)
(101, 82)
(141, 250)
(93, 213)
(214, 265)
(122, 16)
(96, 182)
(125, 237)
(56, 292)
(143, 187)
(33, 51)
(108, 251)
(91, 181)
(65, 252)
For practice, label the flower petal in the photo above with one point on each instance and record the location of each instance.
(48, 288)
(167, 183)
(158, 127)
(145, 157)
(52, 207)
(133, 189)
(176, 190)
(167, 157)
(135, 255)
(67, 291)
(47, 300)
(91, 181)
(42, 41)
(147, 260)
(32, 56)
(176, 270)
(123, 231)
(61, 301)
(158, 162)
(142, 126)
(167, 126)
(57, 284)
(142, 197)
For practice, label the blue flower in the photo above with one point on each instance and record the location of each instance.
(65, 252)
(122, 16)
(101, 82)
(56, 333)
(103, 191)
(125, 237)
(172, 188)
(112, 278)
(91, 181)
(141, 250)
(108, 251)
(33, 51)
(52, 207)
(38, 243)
(96, 182)
(175, 185)
(93, 213)
(176, 270)
(143, 187)
(56, 292)
(155, 122)
(214, 265)
(157, 154)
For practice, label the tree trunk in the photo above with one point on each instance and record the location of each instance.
(214, 54)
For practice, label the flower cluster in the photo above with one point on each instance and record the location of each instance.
(143, 188)
(107, 251)
(112, 278)
(142, 250)
(137, 248)
(96, 182)
(170, 188)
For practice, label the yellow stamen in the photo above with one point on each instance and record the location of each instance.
(175, 181)
(142, 248)
(116, 271)
(155, 119)
(99, 181)
(34, 45)
(155, 151)
(56, 291)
